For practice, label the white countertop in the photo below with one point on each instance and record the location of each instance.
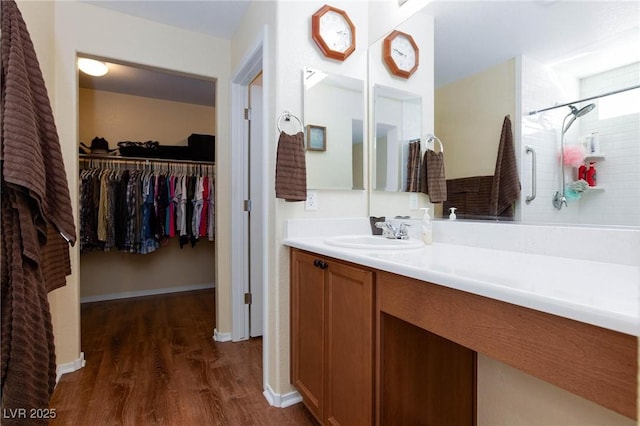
(598, 293)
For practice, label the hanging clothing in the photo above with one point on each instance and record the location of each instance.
(211, 211)
(205, 207)
(138, 211)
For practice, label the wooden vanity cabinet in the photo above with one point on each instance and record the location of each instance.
(426, 339)
(332, 338)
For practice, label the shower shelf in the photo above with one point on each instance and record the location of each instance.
(595, 189)
(595, 156)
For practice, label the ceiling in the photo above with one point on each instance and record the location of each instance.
(470, 36)
(579, 37)
(137, 80)
(217, 18)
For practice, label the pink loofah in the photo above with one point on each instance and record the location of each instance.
(573, 155)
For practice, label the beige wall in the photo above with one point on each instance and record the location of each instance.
(507, 396)
(117, 117)
(106, 275)
(468, 119)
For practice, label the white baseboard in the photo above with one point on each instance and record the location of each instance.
(281, 400)
(221, 337)
(151, 292)
(70, 367)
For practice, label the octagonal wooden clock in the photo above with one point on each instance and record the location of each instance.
(401, 54)
(333, 32)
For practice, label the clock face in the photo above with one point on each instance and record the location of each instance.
(401, 54)
(333, 32)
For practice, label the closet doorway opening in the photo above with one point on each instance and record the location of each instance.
(147, 158)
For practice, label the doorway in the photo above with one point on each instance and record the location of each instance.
(144, 116)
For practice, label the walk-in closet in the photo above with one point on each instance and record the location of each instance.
(147, 195)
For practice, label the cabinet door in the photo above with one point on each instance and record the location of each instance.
(307, 330)
(349, 345)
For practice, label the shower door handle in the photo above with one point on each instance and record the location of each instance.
(530, 150)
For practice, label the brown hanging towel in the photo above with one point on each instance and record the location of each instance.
(36, 213)
(506, 182)
(291, 169)
(433, 178)
(413, 166)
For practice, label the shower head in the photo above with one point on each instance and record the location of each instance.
(576, 113)
(582, 111)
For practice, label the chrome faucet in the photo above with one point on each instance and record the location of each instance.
(391, 232)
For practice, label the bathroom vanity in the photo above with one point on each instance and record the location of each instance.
(384, 337)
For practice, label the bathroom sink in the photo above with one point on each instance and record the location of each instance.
(372, 242)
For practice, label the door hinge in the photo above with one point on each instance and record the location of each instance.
(247, 113)
(247, 298)
(247, 205)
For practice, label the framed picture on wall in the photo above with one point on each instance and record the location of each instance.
(316, 138)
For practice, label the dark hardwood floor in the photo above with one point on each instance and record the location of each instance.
(152, 361)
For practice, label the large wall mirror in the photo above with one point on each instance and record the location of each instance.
(485, 71)
(400, 115)
(334, 117)
(397, 122)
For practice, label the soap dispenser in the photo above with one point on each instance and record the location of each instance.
(452, 215)
(427, 230)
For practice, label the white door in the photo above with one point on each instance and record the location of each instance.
(257, 220)
(248, 199)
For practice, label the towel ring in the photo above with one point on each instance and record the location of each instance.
(431, 137)
(286, 115)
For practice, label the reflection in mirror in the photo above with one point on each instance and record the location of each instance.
(334, 113)
(397, 118)
(563, 65)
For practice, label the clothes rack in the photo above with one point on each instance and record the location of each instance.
(137, 161)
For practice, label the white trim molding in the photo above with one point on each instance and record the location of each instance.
(221, 337)
(281, 400)
(70, 367)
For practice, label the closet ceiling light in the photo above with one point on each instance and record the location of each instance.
(92, 67)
